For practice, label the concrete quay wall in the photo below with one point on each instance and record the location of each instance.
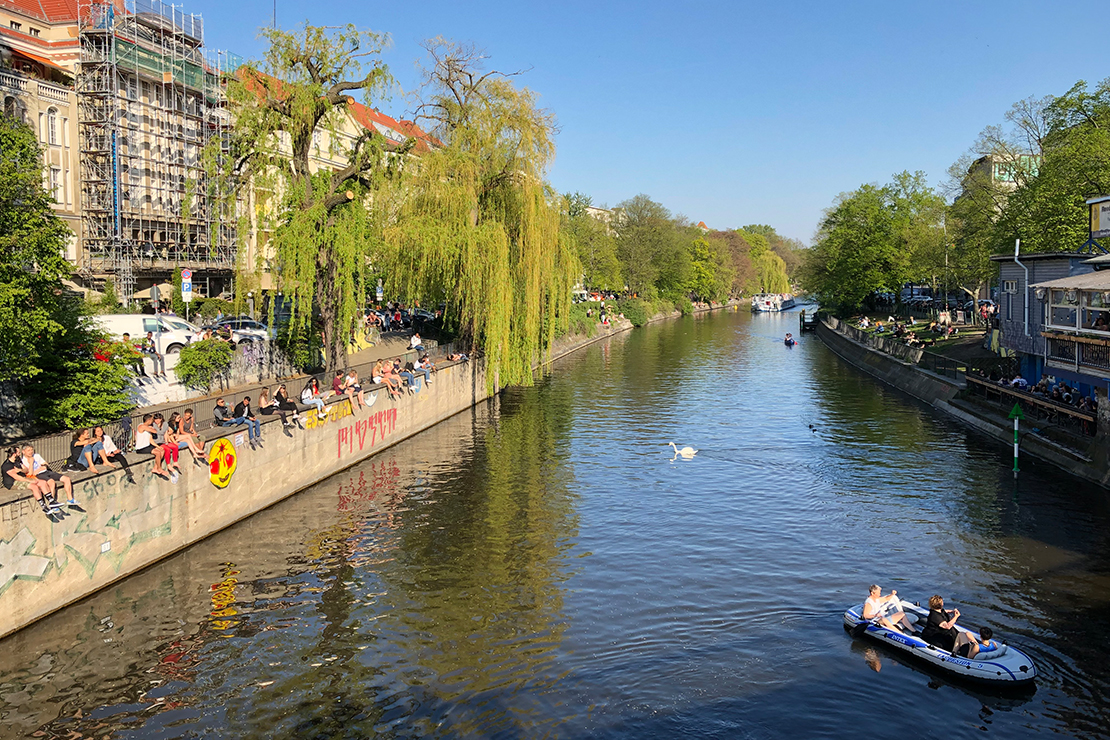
(128, 524)
(941, 393)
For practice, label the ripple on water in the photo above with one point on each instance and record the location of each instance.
(543, 567)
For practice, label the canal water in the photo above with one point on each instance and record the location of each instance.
(543, 567)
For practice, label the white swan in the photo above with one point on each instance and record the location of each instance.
(686, 452)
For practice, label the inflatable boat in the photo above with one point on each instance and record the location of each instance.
(1005, 666)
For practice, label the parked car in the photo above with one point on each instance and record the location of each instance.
(170, 333)
(246, 327)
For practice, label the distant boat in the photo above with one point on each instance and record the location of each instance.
(772, 301)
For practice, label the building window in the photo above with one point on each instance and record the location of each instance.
(1009, 286)
(15, 26)
(52, 126)
(55, 183)
(34, 32)
(1010, 306)
(1096, 310)
(10, 107)
(1063, 308)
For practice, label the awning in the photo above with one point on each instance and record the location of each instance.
(165, 292)
(40, 60)
(1099, 280)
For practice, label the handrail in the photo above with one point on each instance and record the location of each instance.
(1028, 397)
(56, 447)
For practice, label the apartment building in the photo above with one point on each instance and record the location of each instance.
(127, 102)
(38, 54)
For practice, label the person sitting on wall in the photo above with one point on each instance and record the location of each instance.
(1019, 382)
(404, 373)
(11, 471)
(243, 411)
(311, 395)
(383, 373)
(423, 365)
(281, 398)
(353, 388)
(145, 445)
(35, 467)
(85, 451)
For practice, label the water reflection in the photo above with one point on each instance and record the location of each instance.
(539, 567)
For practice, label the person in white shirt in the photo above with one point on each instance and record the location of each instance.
(416, 342)
(878, 608)
(35, 467)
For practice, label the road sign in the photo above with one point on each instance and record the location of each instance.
(186, 274)
(187, 290)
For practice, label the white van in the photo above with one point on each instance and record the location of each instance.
(171, 333)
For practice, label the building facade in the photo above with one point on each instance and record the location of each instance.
(127, 103)
(38, 53)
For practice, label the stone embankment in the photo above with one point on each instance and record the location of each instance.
(946, 394)
(131, 519)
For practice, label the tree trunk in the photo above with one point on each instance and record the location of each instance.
(335, 344)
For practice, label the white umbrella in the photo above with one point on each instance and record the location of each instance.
(165, 292)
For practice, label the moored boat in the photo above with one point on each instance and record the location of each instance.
(1005, 666)
(772, 302)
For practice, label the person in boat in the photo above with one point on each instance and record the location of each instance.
(790, 340)
(877, 606)
(986, 640)
(940, 631)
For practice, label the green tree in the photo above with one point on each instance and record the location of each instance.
(46, 340)
(856, 252)
(768, 267)
(32, 242)
(595, 242)
(323, 234)
(474, 223)
(643, 227)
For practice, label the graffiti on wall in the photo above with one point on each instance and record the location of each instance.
(222, 461)
(366, 432)
(17, 561)
(88, 538)
(336, 412)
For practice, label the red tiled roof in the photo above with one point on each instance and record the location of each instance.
(363, 115)
(367, 117)
(51, 11)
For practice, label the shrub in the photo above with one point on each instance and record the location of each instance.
(684, 305)
(201, 363)
(636, 310)
(580, 323)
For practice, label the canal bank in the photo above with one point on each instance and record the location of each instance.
(131, 520)
(533, 567)
(945, 394)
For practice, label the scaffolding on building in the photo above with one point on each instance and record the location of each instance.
(150, 105)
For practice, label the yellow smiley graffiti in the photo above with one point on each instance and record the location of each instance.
(221, 463)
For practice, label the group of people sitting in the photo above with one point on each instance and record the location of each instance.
(940, 627)
(24, 469)
(1047, 389)
(163, 439)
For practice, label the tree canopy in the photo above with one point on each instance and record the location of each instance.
(47, 346)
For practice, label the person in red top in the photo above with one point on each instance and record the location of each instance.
(337, 383)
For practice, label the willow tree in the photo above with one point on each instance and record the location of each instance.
(293, 106)
(474, 223)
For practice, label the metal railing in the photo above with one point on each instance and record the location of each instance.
(1067, 417)
(56, 448)
(957, 369)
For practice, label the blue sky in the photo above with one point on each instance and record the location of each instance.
(736, 113)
